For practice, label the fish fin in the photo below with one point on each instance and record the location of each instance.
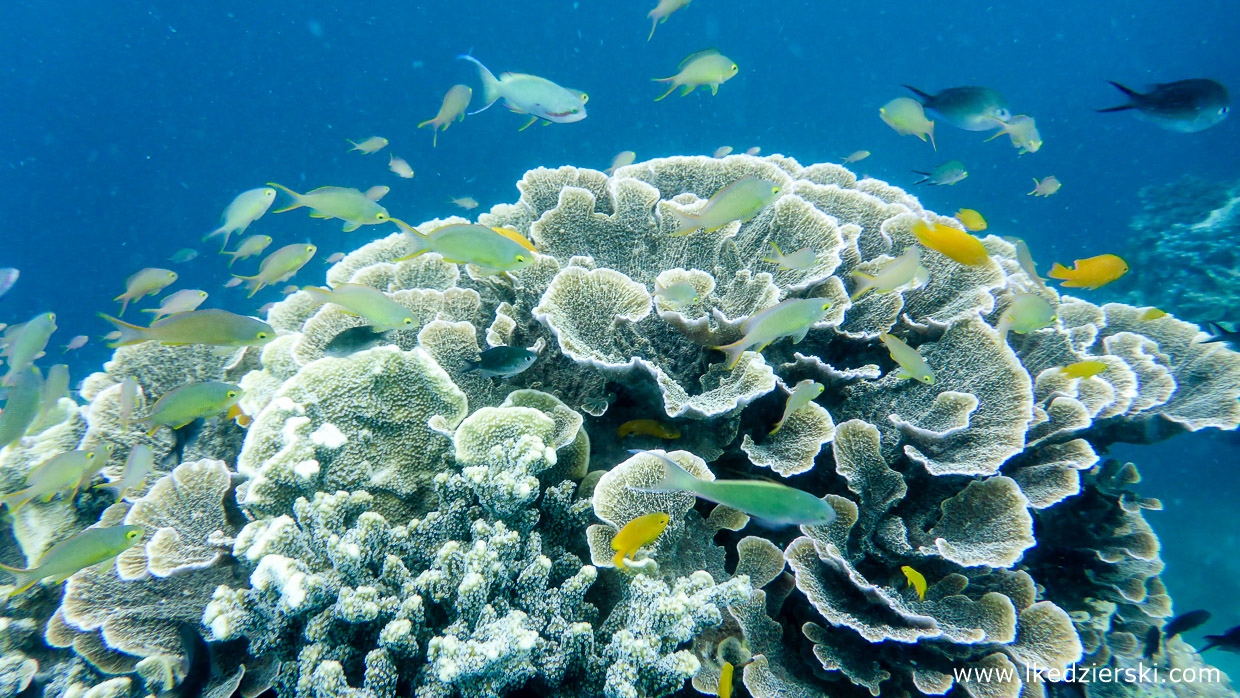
(350, 227)
(435, 134)
(796, 338)
(675, 478)
(733, 351)
(296, 197)
(406, 258)
(23, 579)
(1003, 128)
(714, 90)
(920, 95)
(1058, 271)
(931, 134)
(218, 231)
(490, 85)
(653, 24)
(471, 366)
(902, 374)
(686, 89)
(528, 123)
(130, 334)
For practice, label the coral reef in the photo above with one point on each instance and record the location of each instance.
(1186, 225)
(393, 524)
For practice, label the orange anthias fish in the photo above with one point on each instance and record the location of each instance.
(647, 427)
(952, 242)
(1092, 273)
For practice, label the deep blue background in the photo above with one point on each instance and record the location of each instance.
(126, 127)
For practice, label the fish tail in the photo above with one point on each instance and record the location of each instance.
(685, 222)
(296, 197)
(618, 560)
(931, 134)
(778, 254)
(675, 478)
(317, 294)
(23, 579)
(1003, 128)
(669, 90)
(654, 22)
(417, 241)
(222, 230)
(471, 365)
(734, 351)
(864, 284)
(920, 95)
(1058, 271)
(490, 85)
(230, 254)
(130, 334)
(428, 121)
(925, 176)
(14, 500)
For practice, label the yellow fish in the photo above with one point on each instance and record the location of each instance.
(146, 282)
(908, 118)
(951, 242)
(400, 167)
(530, 94)
(349, 205)
(248, 207)
(493, 249)
(371, 145)
(92, 546)
(452, 109)
(180, 406)
(896, 273)
(466, 202)
(971, 219)
(725, 680)
(647, 427)
(279, 266)
(662, 11)
(800, 260)
(804, 393)
(856, 157)
(1091, 273)
(1026, 313)
(215, 327)
(1083, 369)
(915, 580)
(1153, 314)
(1022, 130)
(707, 67)
(637, 533)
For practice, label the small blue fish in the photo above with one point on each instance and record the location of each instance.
(502, 361)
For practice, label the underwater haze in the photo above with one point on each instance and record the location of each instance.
(128, 127)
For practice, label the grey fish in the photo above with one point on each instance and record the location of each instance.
(969, 108)
(1185, 106)
(353, 340)
(1185, 622)
(1222, 334)
(502, 361)
(8, 277)
(949, 172)
(1229, 641)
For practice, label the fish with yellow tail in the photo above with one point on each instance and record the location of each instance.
(1083, 369)
(647, 427)
(145, 282)
(624, 158)
(400, 167)
(725, 680)
(180, 406)
(1025, 313)
(455, 102)
(279, 266)
(139, 464)
(739, 201)
(61, 472)
(953, 243)
(805, 392)
(971, 220)
(915, 580)
(529, 94)
(707, 68)
(21, 408)
(1153, 314)
(253, 245)
(492, 249)
(856, 156)
(27, 343)
(381, 312)
(678, 294)
(907, 118)
(349, 205)
(182, 301)
(770, 502)
(790, 318)
(800, 260)
(908, 359)
(1091, 273)
(662, 11)
(248, 207)
(636, 535)
(213, 327)
(92, 546)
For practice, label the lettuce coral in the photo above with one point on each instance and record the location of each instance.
(408, 527)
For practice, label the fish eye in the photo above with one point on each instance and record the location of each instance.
(520, 258)
(408, 321)
(584, 98)
(734, 68)
(775, 190)
(381, 216)
(232, 393)
(132, 534)
(1224, 110)
(262, 335)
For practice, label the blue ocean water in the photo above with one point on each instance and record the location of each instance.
(126, 127)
